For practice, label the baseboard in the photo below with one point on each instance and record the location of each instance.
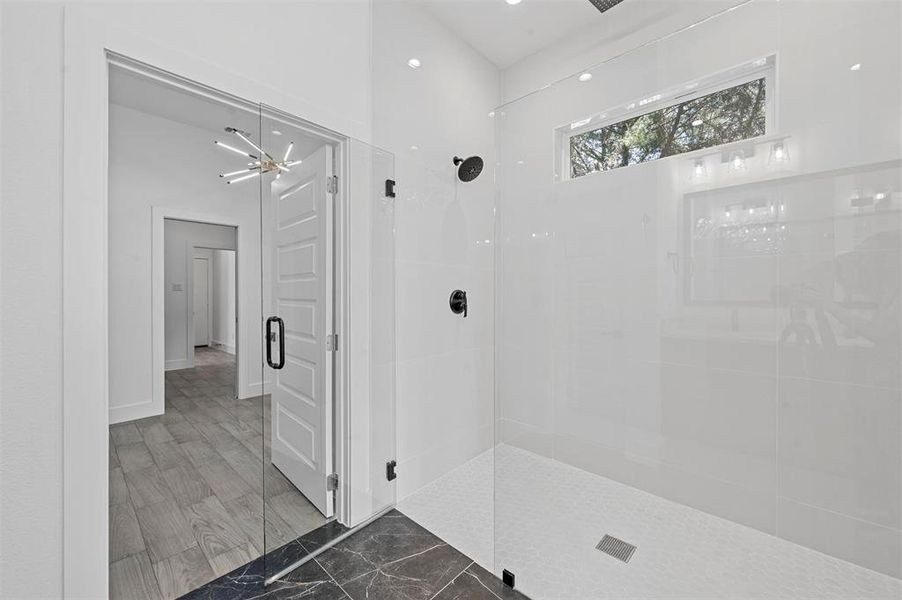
(181, 363)
(123, 414)
(224, 347)
(253, 389)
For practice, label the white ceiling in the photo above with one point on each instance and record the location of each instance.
(161, 99)
(507, 34)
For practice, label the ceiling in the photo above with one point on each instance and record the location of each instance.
(162, 99)
(507, 34)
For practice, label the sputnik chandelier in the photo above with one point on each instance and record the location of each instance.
(263, 162)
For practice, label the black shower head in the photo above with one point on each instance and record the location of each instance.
(468, 169)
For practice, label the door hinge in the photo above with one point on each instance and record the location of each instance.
(332, 184)
(332, 482)
(332, 342)
(390, 470)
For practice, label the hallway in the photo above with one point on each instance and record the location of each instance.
(185, 503)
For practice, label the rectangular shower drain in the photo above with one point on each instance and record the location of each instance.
(616, 547)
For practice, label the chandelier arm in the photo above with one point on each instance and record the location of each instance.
(236, 150)
(254, 146)
(239, 172)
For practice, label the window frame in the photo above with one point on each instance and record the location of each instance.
(765, 67)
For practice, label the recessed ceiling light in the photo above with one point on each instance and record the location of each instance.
(414, 63)
(414, 148)
(855, 67)
(513, 2)
(585, 77)
(276, 132)
(492, 114)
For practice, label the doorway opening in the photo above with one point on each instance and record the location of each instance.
(215, 312)
(222, 442)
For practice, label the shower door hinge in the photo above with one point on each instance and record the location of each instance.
(332, 482)
(332, 342)
(332, 184)
(390, 470)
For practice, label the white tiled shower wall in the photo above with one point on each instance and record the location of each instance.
(444, 237)
(610, 364)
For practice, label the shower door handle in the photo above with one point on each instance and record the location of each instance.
(270, 339)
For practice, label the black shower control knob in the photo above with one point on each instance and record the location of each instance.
(458, 302)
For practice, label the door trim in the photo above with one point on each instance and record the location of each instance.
(159, 214)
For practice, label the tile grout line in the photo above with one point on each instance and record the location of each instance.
(332, 577)
(453, 579)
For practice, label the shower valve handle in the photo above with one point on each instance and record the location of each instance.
(458, 302)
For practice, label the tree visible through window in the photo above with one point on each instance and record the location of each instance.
(730, 115)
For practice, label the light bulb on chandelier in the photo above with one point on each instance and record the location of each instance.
(265, 163)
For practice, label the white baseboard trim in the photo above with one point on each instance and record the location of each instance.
(123, 414)
(224, 347)
(181, 363)
(253, 389)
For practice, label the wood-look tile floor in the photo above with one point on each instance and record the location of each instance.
(187, 487)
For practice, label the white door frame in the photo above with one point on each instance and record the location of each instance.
(90, 46)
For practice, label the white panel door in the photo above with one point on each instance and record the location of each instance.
(201, 302)
(302, 297)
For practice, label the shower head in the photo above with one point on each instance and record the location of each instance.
(468, 169)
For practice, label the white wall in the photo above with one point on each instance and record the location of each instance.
(630, 25)
(444, 372)
(333, 92)
(155, 162)
(30, 313)
(641, 340)
(223, 334)
(180, 239)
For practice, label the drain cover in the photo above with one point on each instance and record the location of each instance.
(604, 5)
(616, 547)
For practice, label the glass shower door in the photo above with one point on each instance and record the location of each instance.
(327, 275)
(699, 334)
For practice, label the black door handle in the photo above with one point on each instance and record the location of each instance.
(270, 340)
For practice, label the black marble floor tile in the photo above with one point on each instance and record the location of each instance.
(322, 535)
(292, 552)
(478, 584)
(284, 556)
(309, 582)
(242, 583)
(394, 557)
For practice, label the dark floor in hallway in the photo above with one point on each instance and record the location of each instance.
(186, 487)
(392, 558)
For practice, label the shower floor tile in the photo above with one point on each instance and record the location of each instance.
(549, 516)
